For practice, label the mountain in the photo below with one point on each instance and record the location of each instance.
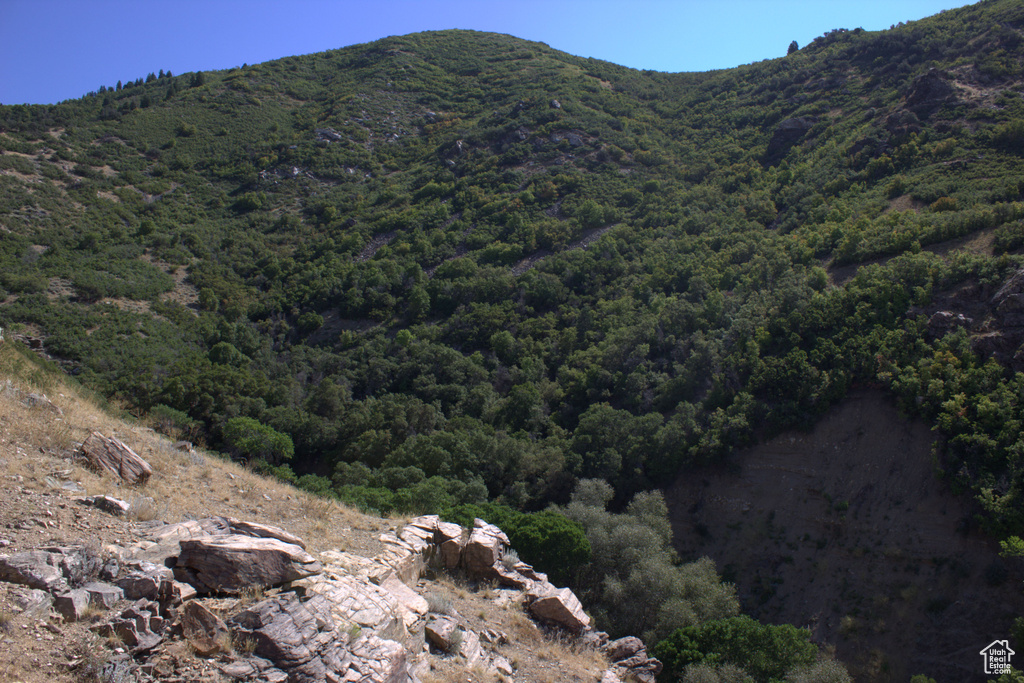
(459, 267)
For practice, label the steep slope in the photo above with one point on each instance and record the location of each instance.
(847, 529)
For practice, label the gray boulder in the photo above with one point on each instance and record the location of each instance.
(72, 605)
(484, 549)
(116, 457)
(230, 563)
(31, 602)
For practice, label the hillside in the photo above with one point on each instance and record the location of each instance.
(43, 496)
(459, 267)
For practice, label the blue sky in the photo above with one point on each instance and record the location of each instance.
(52, 50)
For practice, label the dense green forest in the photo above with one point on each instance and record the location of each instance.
(460, 267)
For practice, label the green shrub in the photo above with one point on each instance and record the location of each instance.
(765, 652)
(224, 353)
(310, 322)
(251, 201)
(633, 582)
(26, 283)
(247, 439)
(1009, 136)
(171, 422)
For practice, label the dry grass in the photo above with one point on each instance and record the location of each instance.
(455, 671)
(242, 645)
(438, 602)
(454, 585)
(250, 595)
(90, 656)
(142, 509)
(6, 620)
(183, 486)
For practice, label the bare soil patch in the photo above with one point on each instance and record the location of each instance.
(848, 530)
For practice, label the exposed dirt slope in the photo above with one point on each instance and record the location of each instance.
(849, 531)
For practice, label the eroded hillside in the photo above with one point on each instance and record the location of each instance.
(849, 530)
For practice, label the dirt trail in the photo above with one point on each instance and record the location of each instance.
(848, 530)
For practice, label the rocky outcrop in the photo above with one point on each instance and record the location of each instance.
(785, 135)
(139, 626)
(928, 92)
(113, 455)
(336, 617)
(486, 545)
(1008, 302)
(1002, 336)
(303, 640)
(358, 604)
(54, 570)
(942, 322)
(631, 661)
(207, 634)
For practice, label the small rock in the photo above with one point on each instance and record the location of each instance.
(73, 604)
(205, 631)
(470, 649)
(494, 636)
(103, 595)
(32, 602)
(111, 568)
(502, 665)
(108, 504)
(624, 648)
(440, 631)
